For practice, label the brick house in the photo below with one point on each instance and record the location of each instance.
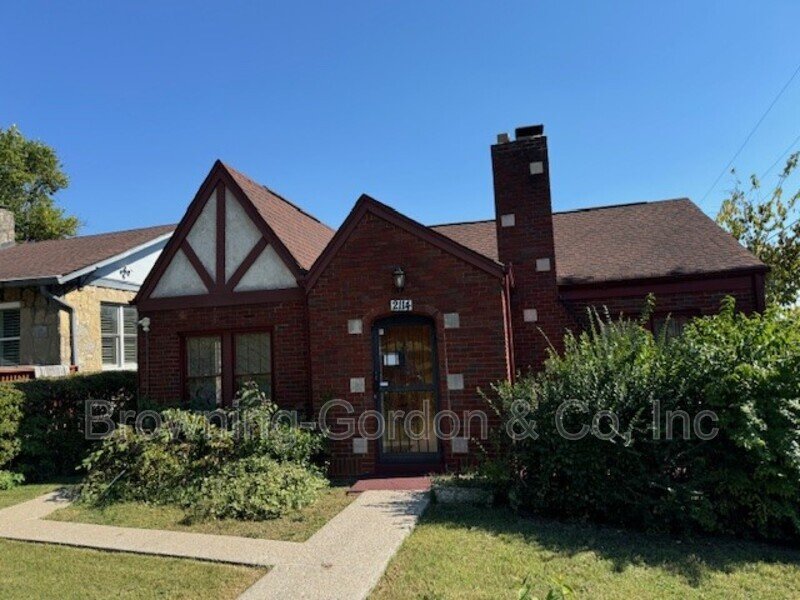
(389, 314)
(65, 304)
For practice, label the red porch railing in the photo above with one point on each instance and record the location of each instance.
(23, 373)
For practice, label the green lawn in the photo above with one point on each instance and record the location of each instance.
(294, 527)
(25, 492)
(468, 552)
(47, 571)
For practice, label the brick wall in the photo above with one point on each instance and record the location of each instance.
(161, 347)
(693, 297)
(357, 284)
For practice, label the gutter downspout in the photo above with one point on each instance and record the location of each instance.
(508, 285)
(70, 310)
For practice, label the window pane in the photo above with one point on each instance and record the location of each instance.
(109, 314)
(205, 393)
(129, 349)
(253, 354)
(129, 319)
(9, 323)
(110, 351)
(9, 353)
(204, 356)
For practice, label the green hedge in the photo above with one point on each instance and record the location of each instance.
(11, 400)
(745, 481)
(51, 437)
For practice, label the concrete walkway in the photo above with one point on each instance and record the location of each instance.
(344, 559)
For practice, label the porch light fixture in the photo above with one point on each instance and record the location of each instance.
(399, 278)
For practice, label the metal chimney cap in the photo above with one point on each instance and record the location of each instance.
(529, 131)
(502, 138)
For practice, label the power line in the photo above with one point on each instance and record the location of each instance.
(750, 135)
(781, 157)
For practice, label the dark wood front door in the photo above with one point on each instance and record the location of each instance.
(406, 387)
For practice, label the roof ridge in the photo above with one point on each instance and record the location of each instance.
(623, 205)
(277, 195)
(463, 223)
(92, 235)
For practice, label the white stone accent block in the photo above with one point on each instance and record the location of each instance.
(452, 321)
(357, 385)
(508, 220)
(355, 326)
(537, 168)
(359, 445)
(542, 264)
(460, 445)
(455, 381)
(530, 315)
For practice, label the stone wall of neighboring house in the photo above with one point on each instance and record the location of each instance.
(44, 329)
(86, 302)
(40, 336)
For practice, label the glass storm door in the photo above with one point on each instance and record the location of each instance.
(406, 387)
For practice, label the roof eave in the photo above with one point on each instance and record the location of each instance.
(666, 278)
(112, 259)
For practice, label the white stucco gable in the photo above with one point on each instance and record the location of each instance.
(223, 234)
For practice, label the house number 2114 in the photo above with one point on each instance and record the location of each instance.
(400, 305)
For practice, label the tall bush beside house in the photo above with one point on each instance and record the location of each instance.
(10, 415)
(747, 370)
(51, 431)
(618, 475)
(744, 481)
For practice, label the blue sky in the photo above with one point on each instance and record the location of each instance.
(401, 100)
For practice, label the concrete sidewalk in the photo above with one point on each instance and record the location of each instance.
(344, 559)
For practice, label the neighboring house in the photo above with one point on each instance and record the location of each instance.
(387, 313)
(64, 304)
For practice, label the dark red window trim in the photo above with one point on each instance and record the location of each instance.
(228, 359)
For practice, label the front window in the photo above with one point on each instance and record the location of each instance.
(9, 334)
(118, 330)
(204, 372)
(219, 364)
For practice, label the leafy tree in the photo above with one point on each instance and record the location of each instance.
(769, 227)
(30, 173)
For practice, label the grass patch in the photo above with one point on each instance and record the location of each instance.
(49, 571)
(46, 571)
(297, 526)
(470, 552)
(23, 493)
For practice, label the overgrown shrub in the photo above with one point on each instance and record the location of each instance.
(744, 481)
(10, 415)
(747, 370)
(163, 467)
(51, 431)
(257, 488)
(243, 464)
(9, 480)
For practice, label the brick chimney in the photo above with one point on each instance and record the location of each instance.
(524, 222)
(7, 229)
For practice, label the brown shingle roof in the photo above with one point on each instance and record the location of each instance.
(57, 258)
(304, 236)
(633, 241)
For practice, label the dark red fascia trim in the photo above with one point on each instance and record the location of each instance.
(729, 280)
